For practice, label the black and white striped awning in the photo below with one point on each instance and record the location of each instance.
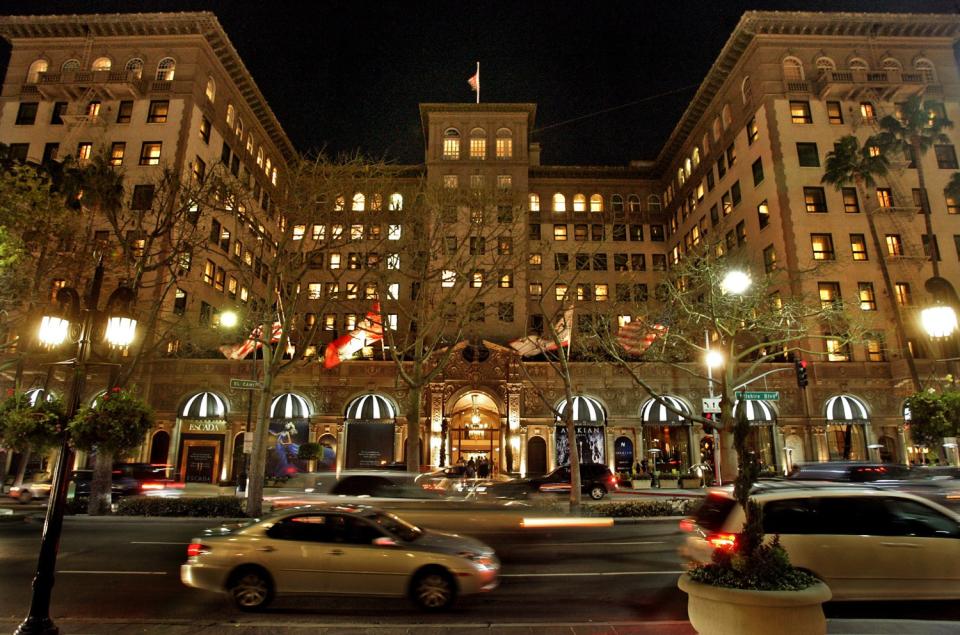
(846, 408)
(204, 405)
(586, 411)
(372, 407)
(907, 414)
(655, 412)
(289, 406)
(33, 395)
(758, 412)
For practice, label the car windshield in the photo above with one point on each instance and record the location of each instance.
(396, 526)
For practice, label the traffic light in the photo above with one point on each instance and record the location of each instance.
(801, 367)
(708, 427)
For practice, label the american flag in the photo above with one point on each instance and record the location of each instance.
(636, 337)
(241, 350)
(368, 331)
(534, 344)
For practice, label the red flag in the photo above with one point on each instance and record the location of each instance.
(244, 348)
(637, 337)
(368, 331)
(475, 82)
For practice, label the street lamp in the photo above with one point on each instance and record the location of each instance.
(229, 319)
(713, 359)
(736, 282)
(83, 326)
(939, 321)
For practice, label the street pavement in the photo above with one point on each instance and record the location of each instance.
(121, 576)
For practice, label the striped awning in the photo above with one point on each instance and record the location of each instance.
(289, 406)
(370, 407)
(33, 395)
(204, 405)
(907, 414)
(757, 411)
(586, 411)
(654, 411)
(845, 408)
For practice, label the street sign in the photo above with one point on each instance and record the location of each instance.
(711, 405)
(245, 384)
(765, 395)
(248, 443)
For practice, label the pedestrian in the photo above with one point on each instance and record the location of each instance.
(483, 468)
(644, 466)
(471, 469)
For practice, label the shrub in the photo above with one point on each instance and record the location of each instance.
(208, 507)
(765, 568)
(645, 508)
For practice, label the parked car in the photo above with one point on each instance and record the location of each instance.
(339, 550)
(866, 543)
(596, 480)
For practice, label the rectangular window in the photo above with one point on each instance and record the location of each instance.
(158, 111)
(622, 292)
(925, 239)
(582, 262)
(867, 112)
(27, 113)
(726, 204)
(731, 155)
(920, 200)
(476, 181)
(946, 157)
(636, 233)
(769, 259)
(535, 262)
(735, 193)
(142, 198)
(757, 172)
(800, 112)
(199, 170)
(504, 309)
(535, 290)
(476, 279)
(822, 245)
(478, 148)
(952, 206)
(505, 280)
(584, 292)
(561, 262)
(601, 292)
(50, 152)
(875, 349)
(815, 200)
(150, 153)
(179, 302)
(560, 291)
(56, 115)
(834, 113)
(125, 112)
(219, 279)
(829, 294)
(741, 233)
(559, 232)
(599, 262)
(763, 214)
(868, 299)
(721, 166)
(117, 148)
(621, 262)
(858, 247)
(851, 204)
(505, 246)
(808, 155)
(659, 262)
(533, 231)
(580, 232)
(84, 151)
(752, 131)
(884, 197)
(902, 292)
(656, 233)
(205, 130)
(894, 245)
(232, 286)
(478, 246)
(504, 150)
(451, 148)
(450, 181)
(837, 350)
(335, 261)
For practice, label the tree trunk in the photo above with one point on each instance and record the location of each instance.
(927, 221)
(413, 429)
(727, 452)
(101, 484)
(868, 208)
(22, 468)
(575, 480)
(258, 458)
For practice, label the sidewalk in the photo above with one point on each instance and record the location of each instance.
(263, 624)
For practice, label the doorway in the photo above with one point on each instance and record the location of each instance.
(201, 460)
(536, 456)
(474, 430)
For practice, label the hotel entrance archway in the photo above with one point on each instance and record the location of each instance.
(474, 430)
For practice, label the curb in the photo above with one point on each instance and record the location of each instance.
(643, 519)
(172, 519)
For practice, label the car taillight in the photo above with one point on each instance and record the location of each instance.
(194, 549)
(687, 524)
(151, 486)
(612, 480)
(726, 542)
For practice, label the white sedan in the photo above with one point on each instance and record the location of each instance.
(339, 550)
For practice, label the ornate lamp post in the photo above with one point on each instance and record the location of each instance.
(83, 326)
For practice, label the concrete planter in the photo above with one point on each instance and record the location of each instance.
(640, 483)
(690, 483)
(669, 483)
(721, 611)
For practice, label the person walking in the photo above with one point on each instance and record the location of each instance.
(483, 468)
(471, 469)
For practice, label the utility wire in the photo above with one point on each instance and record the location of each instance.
(621, 106)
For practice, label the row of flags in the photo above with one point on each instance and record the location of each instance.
(634, 337)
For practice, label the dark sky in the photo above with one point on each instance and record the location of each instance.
(347, 75)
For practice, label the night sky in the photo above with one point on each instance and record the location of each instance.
(348, 75)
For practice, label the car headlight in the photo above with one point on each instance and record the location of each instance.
(481, 561)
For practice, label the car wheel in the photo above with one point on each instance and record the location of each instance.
(25, 497)
(597, 492)
(433, 590)
(250, 589)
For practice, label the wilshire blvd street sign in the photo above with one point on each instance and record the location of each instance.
(767, 395)
(245, 384)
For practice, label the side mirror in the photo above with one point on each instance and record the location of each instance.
(384, 541)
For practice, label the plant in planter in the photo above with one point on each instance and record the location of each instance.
(670, 479)
(29, 428)
(641, 480)
(115, 424)
(690, 480)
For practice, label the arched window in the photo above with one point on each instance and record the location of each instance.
(706, 144)
(211, 90)
(101, 64)
(478, 144)
(533, 202)
(260, 157)
(717, 130)
(891, 64)
(250, 144)
(681, 177)
(559, 202)
(359, 202)
(239, 127)
(166, 69)
(633, 204)
(792, 69)
(687, 166)
(134, 66)
(273, 176)
(616, 203)
(925, 67)
(825, 64)
(70, 66)
(653, 202)
(451, 143)
(579, 203)
(727, 117)
(746, 90)
(231, 117)
(596, 203)
(504, 143)
(396, 202)
(33, 73)
(267, 166)
(696, 158)
(339, 203)
(858, 64)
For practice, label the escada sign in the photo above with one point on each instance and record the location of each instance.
(207, 426)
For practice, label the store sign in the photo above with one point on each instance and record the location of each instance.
(711, 405)
(207, 426)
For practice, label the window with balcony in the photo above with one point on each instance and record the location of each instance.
(166, 69)
(504, 144)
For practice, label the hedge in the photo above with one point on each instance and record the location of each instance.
(208, 507)
(644, 508)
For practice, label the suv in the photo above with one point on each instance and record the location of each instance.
(866, 543)
(596, 480)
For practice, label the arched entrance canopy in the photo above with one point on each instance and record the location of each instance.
(289, 406)
(655, 412)
(846, 408)
(586, 411)
(371, 407)
(756, 411)
(203, 405)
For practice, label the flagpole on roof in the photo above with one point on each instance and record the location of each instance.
(478, 82)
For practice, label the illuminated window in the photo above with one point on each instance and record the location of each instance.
(319, 232)
(393, 291)
(451, 144)
(851, 204)
(150, 153)
(868, 299)
(875, 350)
(504, 144)
(559, 202)
(601, 292)
(815, 200)
(535, 261)
(894, 245)
(35, 70)
(166, 69)
(533, 203)
(559, 232)
(356, 232)
(834, 113)
(478, 144)
(299, 231)
(769, 259)
(393, 261)
(822, 246)
(359, 202)
(800, 112)
(504, 181)
(829, 294)
(211, 90)
(560, 291)
(396, 202)
(858, 246)
(448, 278)
(867, 111)
(596, 203)
(902, 291)
(335, 261)
(535, 290)
(330, 322)
(837, 351)
(763, 214)
(476, 279)
(579, 203)
(231, 119)
(450, 181)
(116, 153)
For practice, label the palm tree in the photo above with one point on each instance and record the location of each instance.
(918, 126)
(851, 163)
